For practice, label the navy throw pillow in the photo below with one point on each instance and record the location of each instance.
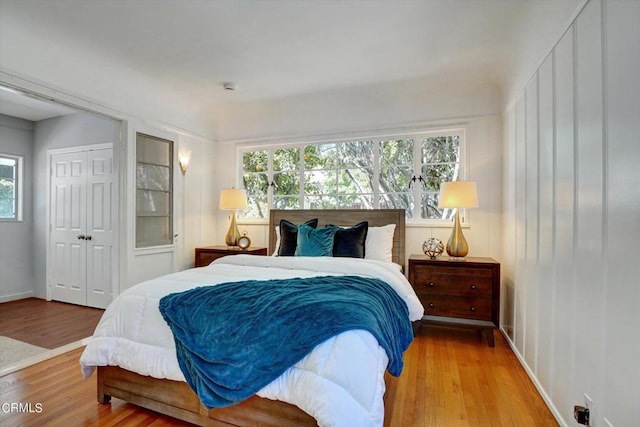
(289, 236)
(349, 242)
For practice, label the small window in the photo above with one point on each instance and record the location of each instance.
(439, 162)
(338, 175)
(396, 170)
(10, 182)
(154, 191)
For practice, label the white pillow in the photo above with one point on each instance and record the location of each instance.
(275, 253)
(379, 243)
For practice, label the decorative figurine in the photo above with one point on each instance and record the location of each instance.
(433, 247)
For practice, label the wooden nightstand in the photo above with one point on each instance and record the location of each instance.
(205, 255)
(458, 292)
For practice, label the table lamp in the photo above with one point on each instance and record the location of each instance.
(233, 199)
(458, 195)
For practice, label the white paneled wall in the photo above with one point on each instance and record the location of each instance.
(571, 275)
(622, 119)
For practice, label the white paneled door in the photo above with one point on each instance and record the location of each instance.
(81, 227)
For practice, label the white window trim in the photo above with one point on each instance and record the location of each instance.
(165, 247)
(18, 186)
(416, 220)
(416, 135)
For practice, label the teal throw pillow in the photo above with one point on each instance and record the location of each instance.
(315, 241)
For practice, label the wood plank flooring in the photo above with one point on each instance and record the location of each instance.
(450, 378)
(48, 324)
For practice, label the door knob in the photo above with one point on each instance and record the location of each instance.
(81, 237)
(87, 237)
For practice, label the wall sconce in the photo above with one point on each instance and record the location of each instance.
(457, 195)
(183, 160)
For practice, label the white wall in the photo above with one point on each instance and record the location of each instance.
(59, 132)
(34, 50)
(424, 102)
(16, 237)
(572, 218)
(197, 201)
(485, 166)
(194, 207)
(367, 107)
(66, 69)
(194, 221)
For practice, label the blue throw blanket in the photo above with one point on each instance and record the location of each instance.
(233, 339)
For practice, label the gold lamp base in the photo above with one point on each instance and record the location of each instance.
(457, 246)
(231, 239)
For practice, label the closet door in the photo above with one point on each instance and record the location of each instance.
(99, 229)
(68, 253)
(81, 240)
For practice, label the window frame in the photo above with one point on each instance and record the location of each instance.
(171, 191)
(18, 181)
(417, 188)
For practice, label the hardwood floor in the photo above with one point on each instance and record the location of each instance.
(48, 324)
(450, 378)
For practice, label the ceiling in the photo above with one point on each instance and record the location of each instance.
(17, 105)
(284, 48)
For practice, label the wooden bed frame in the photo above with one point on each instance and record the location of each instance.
(345, 217)
(176, 399)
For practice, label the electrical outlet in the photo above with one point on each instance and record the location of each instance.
(581, 414)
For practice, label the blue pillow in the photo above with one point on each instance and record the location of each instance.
(315, 241)
(289, 236)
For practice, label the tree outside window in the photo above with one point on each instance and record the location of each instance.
(354, 174)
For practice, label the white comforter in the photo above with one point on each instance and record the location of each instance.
(340, 383)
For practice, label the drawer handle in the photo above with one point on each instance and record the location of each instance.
(473, 286)
(473, 309)
(431, 284)
(431, 305)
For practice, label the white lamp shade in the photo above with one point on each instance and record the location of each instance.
(233, 198)
(458, 194)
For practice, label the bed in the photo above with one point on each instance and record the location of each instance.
(158, 387)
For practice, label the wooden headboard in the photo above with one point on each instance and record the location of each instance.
(345, 217)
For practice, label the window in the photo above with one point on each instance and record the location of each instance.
(10, 183)
(154, 191)
(398, 173)
(439, 162)
(338, 175)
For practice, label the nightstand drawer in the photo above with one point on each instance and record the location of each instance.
(461, 307)
(206, 255)
(476, 282)
(206, 258)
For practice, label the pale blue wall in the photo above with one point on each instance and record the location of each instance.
(16, 237)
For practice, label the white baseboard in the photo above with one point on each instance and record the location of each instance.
(13, 297)
(547, 400)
